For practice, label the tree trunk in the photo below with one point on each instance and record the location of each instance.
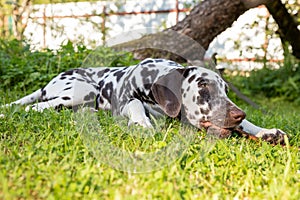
(190, 38)
(288, 30)
(20, 15)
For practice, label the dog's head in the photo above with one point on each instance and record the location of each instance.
(200, 95)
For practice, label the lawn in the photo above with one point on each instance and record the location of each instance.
(44, 156)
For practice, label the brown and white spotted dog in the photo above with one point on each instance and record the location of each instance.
(155, 86)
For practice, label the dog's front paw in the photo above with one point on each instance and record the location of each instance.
(144, 123)
(273, 136)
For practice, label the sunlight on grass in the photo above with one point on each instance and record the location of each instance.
(135, 149)
(43, 156)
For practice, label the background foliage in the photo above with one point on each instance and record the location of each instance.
(282, 83)
(22, 69)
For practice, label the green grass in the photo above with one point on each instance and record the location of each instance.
(42, 156)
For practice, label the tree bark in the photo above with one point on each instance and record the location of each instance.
(205, 21)
(208, 19)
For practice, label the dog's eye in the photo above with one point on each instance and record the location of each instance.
(202, 83)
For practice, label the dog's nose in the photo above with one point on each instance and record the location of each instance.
(236, 116)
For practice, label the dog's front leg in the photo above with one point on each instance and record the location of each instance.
(275, 136)
(136, 114)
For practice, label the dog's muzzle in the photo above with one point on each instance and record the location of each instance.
(234, 116)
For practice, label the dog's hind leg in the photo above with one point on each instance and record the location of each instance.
(31, 98)
(53, 103)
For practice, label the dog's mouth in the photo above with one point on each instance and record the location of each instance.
(218, 131)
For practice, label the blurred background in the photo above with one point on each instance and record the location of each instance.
(51, 23)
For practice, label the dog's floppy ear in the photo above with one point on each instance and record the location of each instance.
(167, 92)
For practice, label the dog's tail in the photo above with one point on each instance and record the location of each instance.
(33, 97)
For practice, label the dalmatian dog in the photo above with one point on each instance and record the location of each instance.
(154, 86)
